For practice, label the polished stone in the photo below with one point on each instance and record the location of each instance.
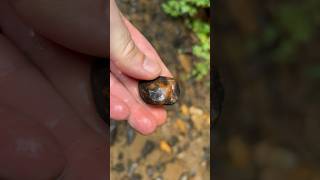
(160, 91)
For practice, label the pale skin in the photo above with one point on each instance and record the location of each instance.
(49, 128)
(130, 51)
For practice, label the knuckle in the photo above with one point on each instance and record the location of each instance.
(129, 50)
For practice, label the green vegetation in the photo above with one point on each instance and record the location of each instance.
(188, 10)
(292, 25)
(313, 72)
(178, 8)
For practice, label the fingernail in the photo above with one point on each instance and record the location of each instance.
(151, 66)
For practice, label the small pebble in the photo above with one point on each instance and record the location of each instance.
(113, 131)
(148, 148)
(136, 177)
(120, 156)
(184, 176)
(150, 170)
(161, 167)
(132, 167)
(131, 134)
(159, 178)
(165, 147)
(119, 167)
(160, 91)
(173, 140)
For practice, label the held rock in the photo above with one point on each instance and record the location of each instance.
(160, 91)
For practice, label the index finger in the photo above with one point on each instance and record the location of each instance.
(145, 46)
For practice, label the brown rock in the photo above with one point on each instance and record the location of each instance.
(160, 91)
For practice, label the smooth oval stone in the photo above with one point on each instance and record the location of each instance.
(160, 91)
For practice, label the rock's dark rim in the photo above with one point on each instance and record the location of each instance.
(99, 88)
(148, 101)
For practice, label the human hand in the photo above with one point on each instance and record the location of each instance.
(128, 49)
(49, 128)
(130, 54)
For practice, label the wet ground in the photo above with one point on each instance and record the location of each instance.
(179, 149)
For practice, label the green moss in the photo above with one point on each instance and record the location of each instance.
(292, 25)
(177, 8)
(188, 9)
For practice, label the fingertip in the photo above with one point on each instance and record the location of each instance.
(118, 109)
(160, 114)
(143, 122)
(143, 125)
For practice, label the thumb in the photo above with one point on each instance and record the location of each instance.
(124, 52)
